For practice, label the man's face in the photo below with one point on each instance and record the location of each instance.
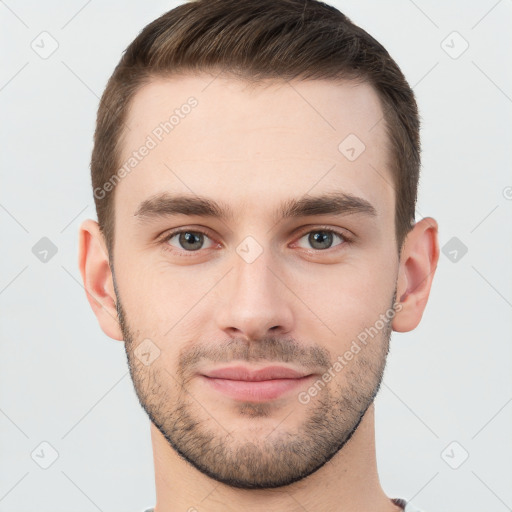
(256, 289)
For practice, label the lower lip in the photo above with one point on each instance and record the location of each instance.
(255, 391)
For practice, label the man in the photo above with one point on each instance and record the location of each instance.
(255, 171)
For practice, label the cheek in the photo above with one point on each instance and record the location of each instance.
(146, 290)
(166, 309)
(159, 298)
(351, 299)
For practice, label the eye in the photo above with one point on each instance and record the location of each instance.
(322, 239)
(187, 239)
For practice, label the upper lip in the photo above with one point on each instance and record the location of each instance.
(247, 374)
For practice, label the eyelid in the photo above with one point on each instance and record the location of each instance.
(347, 239)
(173, 232)
(298, 235)
(318, 227)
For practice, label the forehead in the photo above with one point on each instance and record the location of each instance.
(224, 138)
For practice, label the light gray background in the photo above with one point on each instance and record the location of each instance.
(62, 381)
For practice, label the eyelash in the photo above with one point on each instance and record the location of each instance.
(164, 241)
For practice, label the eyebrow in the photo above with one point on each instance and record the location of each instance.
(165, 205)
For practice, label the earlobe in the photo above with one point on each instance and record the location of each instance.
(97, 278)
(418, 264)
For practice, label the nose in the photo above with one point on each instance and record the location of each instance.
(255, 300)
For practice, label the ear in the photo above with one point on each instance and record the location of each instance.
(418, 263)
(97, 277)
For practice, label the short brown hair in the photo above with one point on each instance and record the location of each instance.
(255, 40)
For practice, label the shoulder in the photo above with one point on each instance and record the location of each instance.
(407, 506)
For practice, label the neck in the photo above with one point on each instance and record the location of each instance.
(347, 483)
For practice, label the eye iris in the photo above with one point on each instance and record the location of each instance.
(320, 237)
(190, 237)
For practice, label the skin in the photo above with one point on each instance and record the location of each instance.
(296, 304)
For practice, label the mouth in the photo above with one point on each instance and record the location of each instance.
(255, 385)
